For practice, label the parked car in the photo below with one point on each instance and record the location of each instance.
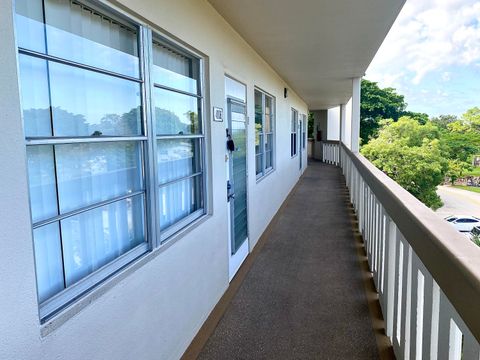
(463, 223)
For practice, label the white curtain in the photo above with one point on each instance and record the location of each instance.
(177, 159)
(78, 175)
(173, 69)
(79, 34)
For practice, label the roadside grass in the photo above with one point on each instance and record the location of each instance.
(468, 188)
(474, 172)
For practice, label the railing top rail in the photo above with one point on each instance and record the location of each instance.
(452, 261)
(334, 142)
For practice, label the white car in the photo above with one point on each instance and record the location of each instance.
(463, 223)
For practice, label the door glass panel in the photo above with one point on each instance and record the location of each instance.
(239, 171)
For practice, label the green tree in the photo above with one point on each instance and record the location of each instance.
(471, 118)
(377, 104)
(442, 121)
(411, 154)
(456, 169)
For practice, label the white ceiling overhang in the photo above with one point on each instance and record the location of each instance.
(317, 46)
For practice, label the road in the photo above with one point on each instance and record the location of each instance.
(458, 202)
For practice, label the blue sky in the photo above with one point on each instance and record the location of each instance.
(432, 56)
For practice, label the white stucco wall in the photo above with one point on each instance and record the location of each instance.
(348, 124)
(333, 124)
(154, 311)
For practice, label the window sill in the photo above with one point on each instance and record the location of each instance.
(60, 318)
(260, 178)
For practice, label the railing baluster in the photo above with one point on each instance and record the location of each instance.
(391, 266)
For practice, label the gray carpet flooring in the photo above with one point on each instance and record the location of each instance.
(303, 297)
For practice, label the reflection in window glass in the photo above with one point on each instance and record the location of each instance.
(264, 116)
(78, 33)
(175, 113)
(179, 199)
(35, 96)
(29, 25)
(177, 159)
(86, 103)
(293, 133)
(94, 238)
(41, 180)
(91, 172)
(48, 261)
(174, 70)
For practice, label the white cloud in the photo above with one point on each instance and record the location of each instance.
(428, 36)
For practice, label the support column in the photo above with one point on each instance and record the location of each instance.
(343, 118)
(355, 127)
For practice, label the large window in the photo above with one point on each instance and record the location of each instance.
(109, 177)
(293, 133)
(179, 137)
(264, 128)
(304, 130)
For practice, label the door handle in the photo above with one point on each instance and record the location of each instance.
(230, 191)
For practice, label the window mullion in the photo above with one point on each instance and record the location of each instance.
(151, 160)
(263, 135)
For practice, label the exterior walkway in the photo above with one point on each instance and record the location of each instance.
(303, 297)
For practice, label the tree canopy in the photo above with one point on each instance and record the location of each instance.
(411, 154)
(377, 104)
(416, 151)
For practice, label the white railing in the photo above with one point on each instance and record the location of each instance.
(426, 274)
(331, 152)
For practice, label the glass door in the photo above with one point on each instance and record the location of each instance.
(236, 130)
(299, 141)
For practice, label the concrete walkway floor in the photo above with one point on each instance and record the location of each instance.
(303, 297)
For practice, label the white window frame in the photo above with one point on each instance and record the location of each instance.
(155, 239)
(294, 133)
(266, 171)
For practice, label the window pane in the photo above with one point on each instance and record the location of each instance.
(96, 237)
(269, 142)
(48, 261)
(176, 113)
(41, 178)
(258, 111)
(177, 158)
(29, 25)
(268, 159)
(35, 98)
(258, 164)
(179, 200)
(174, 69)
(86, 103)
(268, 114)
(92, 172)
(269, 151)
